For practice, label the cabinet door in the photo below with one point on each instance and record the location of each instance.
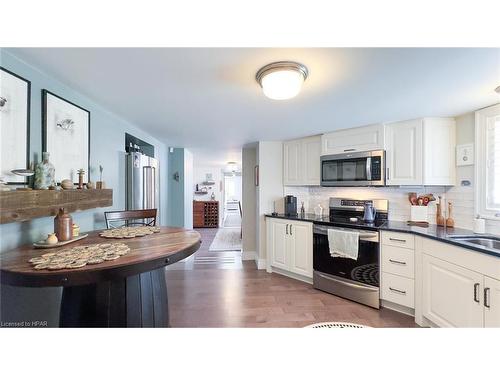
(491, 302)
(278, 242)
(452, 295)
(439, 151)
(365, 138)
(404, 153)
(311, 154)
(300, 247)
(292, 163)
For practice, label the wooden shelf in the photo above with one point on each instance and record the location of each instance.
(26, 205)
(199, 192)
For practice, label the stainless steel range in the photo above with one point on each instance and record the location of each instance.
(354, 279)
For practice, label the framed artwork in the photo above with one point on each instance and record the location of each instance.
(256, 175)
(15, 94)
(65, 136)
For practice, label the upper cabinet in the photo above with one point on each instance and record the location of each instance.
(301, 161)
(366, 138)
(404, 153)
(420, 152)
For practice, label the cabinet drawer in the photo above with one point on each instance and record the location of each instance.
(398, 261)
(398, 239)
(398, 289)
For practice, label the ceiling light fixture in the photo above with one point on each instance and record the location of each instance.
(497, 90)
(282, 80)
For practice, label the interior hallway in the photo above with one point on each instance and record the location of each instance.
(229, 292)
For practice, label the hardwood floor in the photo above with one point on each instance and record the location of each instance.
(236, 294)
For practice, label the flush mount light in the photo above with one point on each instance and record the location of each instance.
(281, 80)
(497, 90)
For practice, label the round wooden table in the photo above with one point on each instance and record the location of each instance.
(130, 291)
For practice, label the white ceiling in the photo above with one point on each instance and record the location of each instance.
(208, 97)
(215, 157)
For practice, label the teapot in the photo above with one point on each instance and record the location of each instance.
(370, 212)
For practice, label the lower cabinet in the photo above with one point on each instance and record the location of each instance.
(491, 302)
(289, 246)
(452, 295)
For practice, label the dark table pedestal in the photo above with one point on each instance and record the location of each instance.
(136, 301)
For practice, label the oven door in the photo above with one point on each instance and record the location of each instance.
(356, 169)
(364, 270)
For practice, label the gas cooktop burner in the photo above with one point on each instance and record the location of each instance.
(366, 274)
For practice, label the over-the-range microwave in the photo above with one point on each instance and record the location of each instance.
(354, 169)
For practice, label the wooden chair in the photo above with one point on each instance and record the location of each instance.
(131, 217)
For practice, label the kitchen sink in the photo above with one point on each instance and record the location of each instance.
(489, 242)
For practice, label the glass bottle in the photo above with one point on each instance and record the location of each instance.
(44, 173)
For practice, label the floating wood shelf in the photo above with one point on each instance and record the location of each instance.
(26, 205)
(199, 192)
(208, 183)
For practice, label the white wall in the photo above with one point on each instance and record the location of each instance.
(200, 173)
(188, 189)
(249, 191)
(270, 190)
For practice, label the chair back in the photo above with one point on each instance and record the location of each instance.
(130, 218)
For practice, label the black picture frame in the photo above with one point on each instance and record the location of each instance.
(28, 119)
(45, 93)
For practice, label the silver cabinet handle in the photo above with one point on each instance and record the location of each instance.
(349, 150)
(397, 262)
(476, 289)
(287, 228)
(290, 229)
(397, 291)
(396, 239)
(486, 297)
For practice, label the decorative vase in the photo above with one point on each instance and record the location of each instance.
(44, 173)
(51, 239)
(63, 225)
(439, 216)
(67, 184)
(450, 223)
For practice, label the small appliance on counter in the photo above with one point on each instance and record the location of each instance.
(290, 205)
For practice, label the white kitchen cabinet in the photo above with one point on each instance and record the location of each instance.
(292, 163)
(365, 138)
(289, 246)
(404, 153)
(491, 302)
(420, 152)
(301, 161)
(300, 242)
(439, 152)
(452, 295)
(277, 234)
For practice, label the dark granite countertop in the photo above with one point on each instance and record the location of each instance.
(432, 231)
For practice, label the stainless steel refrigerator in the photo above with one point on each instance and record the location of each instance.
(143, 180)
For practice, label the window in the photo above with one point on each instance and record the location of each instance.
(488, 162)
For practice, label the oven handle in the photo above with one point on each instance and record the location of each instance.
(363, 235)
(351, 285)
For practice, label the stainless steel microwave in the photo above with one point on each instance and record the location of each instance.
(354, 169)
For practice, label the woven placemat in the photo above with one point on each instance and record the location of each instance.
(79, 256)
(129, 232)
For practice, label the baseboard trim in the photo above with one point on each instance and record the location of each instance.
(248, 255)
(261, 263)
(292, 275)
(399, 308)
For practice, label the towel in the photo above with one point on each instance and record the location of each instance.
(343, 243)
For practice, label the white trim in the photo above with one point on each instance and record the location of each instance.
(399, 308)
(248, 255)
(292, 275)
(480, 165)
(261, 263)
